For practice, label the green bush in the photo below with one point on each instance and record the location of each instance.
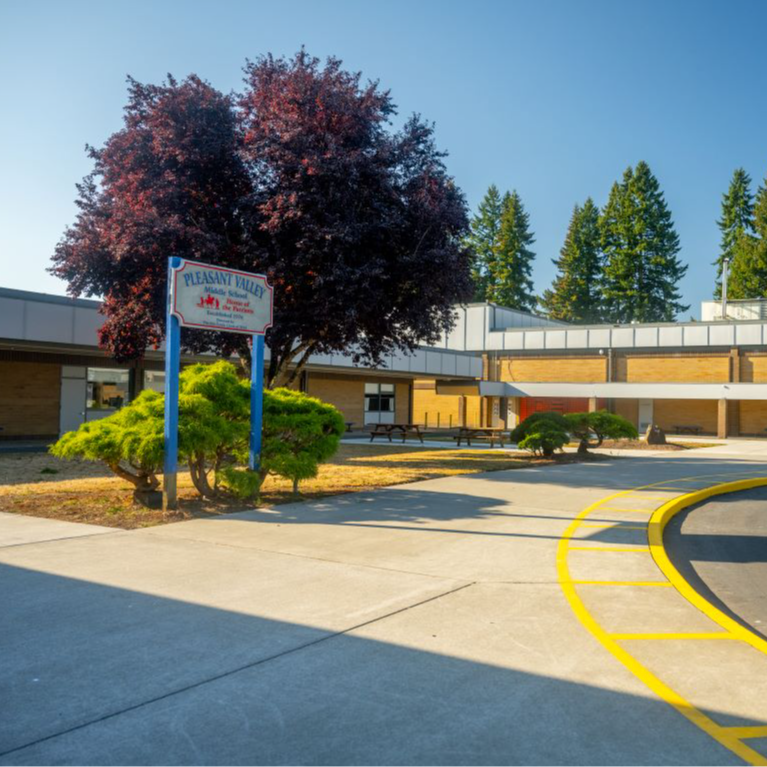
(532, 422)
(214, 421)
(591, 429)
(544, 437)
(129, 442)
(300, 432)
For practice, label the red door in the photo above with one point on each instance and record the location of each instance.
(530, 405)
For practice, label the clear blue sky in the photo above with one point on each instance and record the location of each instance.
(553, 98)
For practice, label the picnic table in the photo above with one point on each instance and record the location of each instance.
(387, 429)
(490, 433)
(686, 429)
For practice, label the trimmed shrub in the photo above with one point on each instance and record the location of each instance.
(214, 421)
(544, 437)
(591, 429)
(531, 424)
(300, 432)
(129, 442)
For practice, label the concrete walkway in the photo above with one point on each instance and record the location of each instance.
(421, 624)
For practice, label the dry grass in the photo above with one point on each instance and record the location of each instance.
(40, 485)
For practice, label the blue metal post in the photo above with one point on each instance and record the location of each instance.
(172, 361)
(256, 400)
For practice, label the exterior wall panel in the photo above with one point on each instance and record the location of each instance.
(572, 369)
(30, 396)
(668, 413)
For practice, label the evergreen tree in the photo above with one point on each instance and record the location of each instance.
(748, 269)
(483, 240)
(510, 284)
(575, 295)
(640, 246)
(736, 221)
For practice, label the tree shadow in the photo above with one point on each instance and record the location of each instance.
(96, 674)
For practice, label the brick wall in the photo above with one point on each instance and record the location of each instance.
(752, 417)
(629, 409)
(673, 369)
(555, 369)
(347, 393)
(30, 396)
(430, 408)
(753, 368)
(668, 413)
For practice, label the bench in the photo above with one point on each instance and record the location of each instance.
(687, 429)
(490, 434)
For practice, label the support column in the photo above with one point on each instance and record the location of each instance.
(721, 421)
(733, 407)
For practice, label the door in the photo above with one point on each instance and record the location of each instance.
(73, 390)
(645, 415)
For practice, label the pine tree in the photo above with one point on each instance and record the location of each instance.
(736, 221)
(575, 294)
(748, 270)
(642, 271)
(511, 268)
(483, 240)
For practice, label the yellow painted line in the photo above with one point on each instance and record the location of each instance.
(722, 735)
(691, 635)
(655, 529)
(620, 550)
(664, 584)
(749, 732)
(621, 508)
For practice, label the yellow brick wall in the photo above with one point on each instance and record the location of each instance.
(629, 409)
(753, 368)
(30, 396)
(347, 393)
(752, 417)
(563, 369)
(430, 408)
(673, 369)
(668, 413)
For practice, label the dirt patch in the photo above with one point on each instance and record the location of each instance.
(638, 444)
(40, 485)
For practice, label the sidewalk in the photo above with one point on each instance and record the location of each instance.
(421, 624)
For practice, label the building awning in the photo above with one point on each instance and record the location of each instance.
(709, 391)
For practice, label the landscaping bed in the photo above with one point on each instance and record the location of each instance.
(40, 485)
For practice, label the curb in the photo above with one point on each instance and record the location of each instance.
(657, 525)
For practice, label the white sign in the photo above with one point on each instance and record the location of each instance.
(215, 298)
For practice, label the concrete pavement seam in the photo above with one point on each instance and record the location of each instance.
(57, 540)
(232, 672)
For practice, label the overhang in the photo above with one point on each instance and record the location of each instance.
(682, 391)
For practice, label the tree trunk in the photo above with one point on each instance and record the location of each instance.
(199, 475)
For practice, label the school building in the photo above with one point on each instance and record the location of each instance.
(494, 368)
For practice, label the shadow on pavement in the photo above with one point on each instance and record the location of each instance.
(93, 674)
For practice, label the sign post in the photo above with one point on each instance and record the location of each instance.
(212, 297)
(172, 360)
(256, 400)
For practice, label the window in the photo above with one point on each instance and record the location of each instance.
(108, 388)
(379, 398)
(154, 380)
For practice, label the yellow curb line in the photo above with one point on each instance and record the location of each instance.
(658, 523)
(730, 738)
